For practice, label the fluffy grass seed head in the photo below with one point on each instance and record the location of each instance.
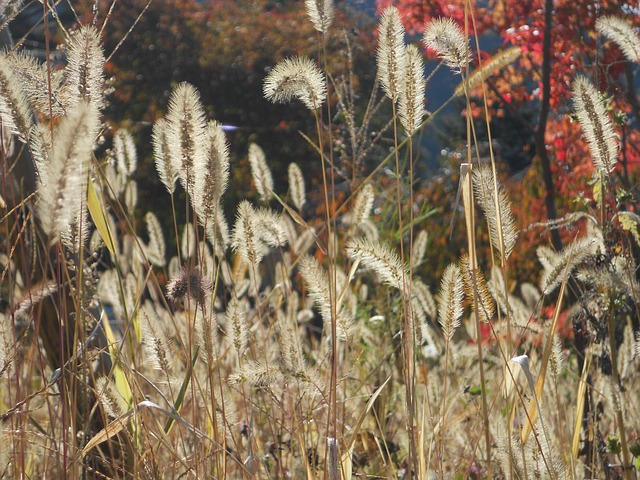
(362, 205)
(450, 298)
(391, 55)
(296, 77)
(476, 286)
(296, 186)
(320, 13)
(596, 124)
(124, 150)
(620, 32)
(212, 176)
(381, 259)
(447, 39)
(186, 134)
(158, 348)
(501, 223)
(85, 61)
(411, 105)
(34, 80)
(419, 248)
(237, 325)
(188, 284)
(155, 249)
(63, 194)
(15, 111)
(162, 157)
(497, 62)
(255, 229)
(262, 177)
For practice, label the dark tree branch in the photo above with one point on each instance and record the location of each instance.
(541, 150)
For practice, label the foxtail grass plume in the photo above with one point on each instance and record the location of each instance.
(34, 81)
(422, 295)
(186, 134)
(625, 36)
(162, 157)
(212, 175)
(41, 147)
(411, 105)
(188, 241)
(262, 177)
(320, 13)
(447, 39)
(112, 401)
(237, 325)
(362, 205)
(475, 287)
(61, 197)
(296, 186)
(489, 67)
(317, 281)
(501, 222)
(419, 248)
(381, 259)
(556, 264)
(450, 297)
(255, 229)
(85, 61)
(596, 124)
(155, 249)
(296, 77)
(15, 111)
(188, 284)
(157, 345)
(391, 54)
(124, 150)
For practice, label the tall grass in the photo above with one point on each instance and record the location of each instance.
(288, 346)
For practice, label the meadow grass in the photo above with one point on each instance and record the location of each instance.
(280, 345)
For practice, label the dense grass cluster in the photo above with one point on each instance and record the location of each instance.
(278, 345)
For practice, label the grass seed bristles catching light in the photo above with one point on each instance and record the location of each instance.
(296, 186)
(477, 289)
(419, 248)
(161, 154)
(15, 111)
(85, 61)
(188, 284)
(320, 13)
(501, 226)
(262, 177)
(450, 297)
(447, 39)
(497, 62)
(362, 205)
(624, 35)
(245, 239)
(124, 150)
(41, 149)
(111, 400)
(391, 54)
(596, 124)
(298, 78)
(212, 175)
(34, 82)
(188, 241)
(237, 320)
(61, 197)
(422, 295)
(156, 247)
(158, 348)
(186, 134)
(411, 103)
(565, 261)
(381, 259)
